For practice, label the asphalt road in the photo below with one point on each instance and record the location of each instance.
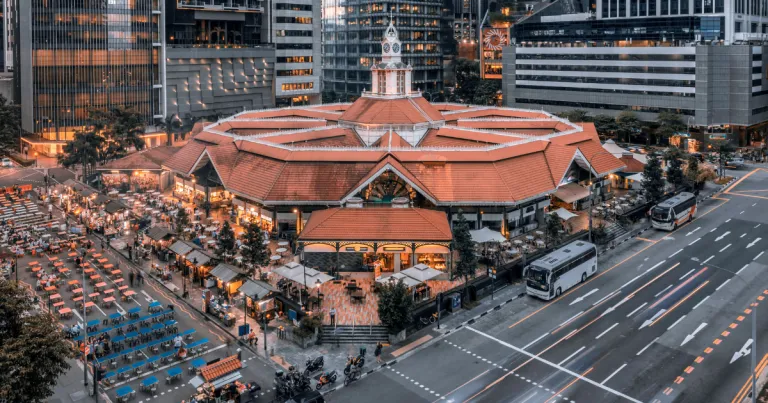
(661, 322)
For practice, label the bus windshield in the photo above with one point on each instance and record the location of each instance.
(660, 214)
(537, 278)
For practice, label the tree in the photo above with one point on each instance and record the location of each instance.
(10, 126)
(605, 125)
(576, 115)
(692, 170)
(255, 253)
(675, 174)
(84, 150)
(395, 306)
(463, 244)
(182, 221)
(171, 125)
(121, 129)
(33, 353)
(552, 231)
(669, 124)
(329, 97)
(627, 124)
(486, 92)
(467, 79)
(653, 182)
(226, 242)
(723, 153)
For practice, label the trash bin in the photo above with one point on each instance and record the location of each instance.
(455, 302)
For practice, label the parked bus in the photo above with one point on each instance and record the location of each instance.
(670, 213)
(553, 274)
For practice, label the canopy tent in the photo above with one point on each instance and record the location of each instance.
(290, 270)
(301, 274)
(181, 247)
(421, 272)
(226, 272)
(636, 177)
(101, 199)
(159, 233)
(198, 257)
(571, 192)
(256, 289)
(408, 281)
(113, 207)
(487, 235)
(564, 214)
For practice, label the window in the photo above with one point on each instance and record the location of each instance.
(401, 82)
(297, 86)
(382, 82)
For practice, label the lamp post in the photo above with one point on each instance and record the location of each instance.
(35, 159)
(245, 309)
(591, 191)
(317, 285)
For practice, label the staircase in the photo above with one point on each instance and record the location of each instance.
(354, 335)
(614, 231)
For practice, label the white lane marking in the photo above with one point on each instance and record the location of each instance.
(655, 266)
(741, 353)
(742, 269)
(662, 291)
(690, 336)
(649, 321)
(676, 322)
(758, 225)
(751, 244)
(637, 309)
(695, 229)
(97, 307)
(697, 240)
(530, 397)
(728, 220)
(708, 259)
(758, 255)
(742, 212)
(722, 236)
(686, 275)
(571, 356)
(604, 298)
(566, 370)
(78, 315)
(646, 347)
(721, 285)
(676, 253)
(570, 319)
(581, 298)
(606, 331)
(535, 341)
(743, 235)
(713, 229)
(701, 302)
(614, 373)
(754, 204)
(631, 281)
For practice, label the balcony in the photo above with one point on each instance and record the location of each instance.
(222, 5)
(749, 37)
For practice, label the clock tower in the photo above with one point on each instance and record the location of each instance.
(391, 78)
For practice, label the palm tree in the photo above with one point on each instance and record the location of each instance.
(171, 125)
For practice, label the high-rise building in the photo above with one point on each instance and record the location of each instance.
(77, 55)
(703, 60)
(295, 30)
(352, 33)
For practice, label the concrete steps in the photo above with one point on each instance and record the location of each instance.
(354, 335)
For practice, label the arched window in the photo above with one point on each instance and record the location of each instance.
(382, 82)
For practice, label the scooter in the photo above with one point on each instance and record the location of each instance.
(353, 375)
(358, 361)
(314, 365)
(325, 379)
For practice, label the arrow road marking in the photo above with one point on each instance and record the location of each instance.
(148, 298)
(649, 321)
(741, 353)
(581, 298)
(751, 244)
(693, 334)
(696, 229)
(722, 236)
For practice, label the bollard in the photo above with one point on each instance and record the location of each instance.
(272, 353)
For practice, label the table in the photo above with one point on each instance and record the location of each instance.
(122, 288)
(108, 266)
(72, 254)
(35, 263)
(51, 288)
(95, 277)
(102, 260)
(65, 313)
(282, 243)
(101, 284)
(107, 302)
(116, 272)
(77, 291)
(89, 270)
(281, 250)
(63, 270)
(118, 280)
(55, 297)
(36, 269)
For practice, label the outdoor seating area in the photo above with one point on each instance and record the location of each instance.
(618, 205)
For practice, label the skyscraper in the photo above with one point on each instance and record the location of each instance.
(296, 34)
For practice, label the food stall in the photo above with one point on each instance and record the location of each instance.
(259, 299)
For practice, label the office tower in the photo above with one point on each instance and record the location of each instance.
(296, 35)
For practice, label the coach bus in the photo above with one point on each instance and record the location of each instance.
(553, 274)
(673, 212)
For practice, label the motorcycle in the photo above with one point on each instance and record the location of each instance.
(358, 362)
(428, 320)
(352, 376)
(283, 386)
(325, 379)
(314, 365)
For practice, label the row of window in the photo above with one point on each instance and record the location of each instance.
(294, 59)
(611, 69)
(600, 80)
(292, 73)
(293, 46)
(590, 56)
(293, 20)
(297, 86)
(590, 105)
(292, 33)
(293, 7)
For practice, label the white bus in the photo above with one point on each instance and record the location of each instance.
(560, 270)
(670, 213)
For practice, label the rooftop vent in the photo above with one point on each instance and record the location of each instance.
(400, 202)
(354, 202)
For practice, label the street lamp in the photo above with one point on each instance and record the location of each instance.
(35, 159)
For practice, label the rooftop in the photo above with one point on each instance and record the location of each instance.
(377, 224)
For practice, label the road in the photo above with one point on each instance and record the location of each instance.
(668, 322)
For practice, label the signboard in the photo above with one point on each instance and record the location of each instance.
(494, 40)
(718, 136)
(243, 330)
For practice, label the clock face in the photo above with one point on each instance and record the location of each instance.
(386, 48)
(396, 48)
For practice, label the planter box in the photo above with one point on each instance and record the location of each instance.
(307, 341)
(397, 338)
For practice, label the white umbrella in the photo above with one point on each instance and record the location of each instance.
(636, 177)
(564, 214)
(421, 272)
(409, 282)
(487, 235)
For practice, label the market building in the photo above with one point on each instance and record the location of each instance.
(376, 185)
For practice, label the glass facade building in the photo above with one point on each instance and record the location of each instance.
(77, 55)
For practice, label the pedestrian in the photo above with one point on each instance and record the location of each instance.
(102, 245)
(377, 352)
(141, 278)
(130, 277)
(332, 312)
(252, 338)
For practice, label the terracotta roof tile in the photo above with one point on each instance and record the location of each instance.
(386, 111)
(220, 368)
(184, 159)
(151, 159)
(632, 165)
(478, 112)
(243, 180)
(559, 159)
(292, 112)
(462, 181)
(402, 170)
(377, 224)
(316, 181)
(526, 176)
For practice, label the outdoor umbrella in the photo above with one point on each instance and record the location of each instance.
(408, 281)
(487, 235)
(564, 214)
(421, 272)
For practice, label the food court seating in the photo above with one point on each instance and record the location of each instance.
(149, 385)
(125, 393)
(173, 374)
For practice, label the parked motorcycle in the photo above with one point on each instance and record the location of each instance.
(358, 362)
(325, 379)
(314, 365)
(353, 375)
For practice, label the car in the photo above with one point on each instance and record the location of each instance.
(6, 162)
(735, 162)
(307, 397)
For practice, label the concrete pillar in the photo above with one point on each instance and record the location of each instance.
(396, 265)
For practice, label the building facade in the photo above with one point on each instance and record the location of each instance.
(352, 33)
(295, 31)
(75, 55)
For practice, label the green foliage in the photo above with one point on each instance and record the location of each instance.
(627, 124)
(10, 126)
(84, 150)
(552, 230)
(467, 80)
(395, 306)
(692, 170)
(182, 221)
(120, 129)
(599, 233)
(675, 174)
(171, 125)
(578, 115)
(329, 97)
(653, 181)
(723, 152)
(33, 353)
(308, 325)
(254, 252)
(463, 244)
(486, 93)
(669, 124)
(605, 125)
(226, 242)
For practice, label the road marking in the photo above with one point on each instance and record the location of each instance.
(742, 269)
(754, 204)
(701, 302)
(149, 297)
(690, 336)
(741, 353)
(631, 281)
(743, 235)
(757, 225)
(678, 303)
(662, 291)
(676, 322)
(726, 247)
(78, 315)
(742, 212)
(646, 347)
(571, 318)
(604, 298)
(676, 253)
(566, 370)
(721, 285)
(614, 373)
(751, 244)
(653, 318)
(637, 309)
(684, 276)
(722, 236)
(581, 298)
(606, 331)
(758, 255)
(571, 356)
(535, 341)
(708, 259)
(530, 397)
(697, 240)
(728, 220)
(696, 229)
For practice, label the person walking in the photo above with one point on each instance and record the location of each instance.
(130, 277)
(332, 312)
(377, 352)
(141, 278)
